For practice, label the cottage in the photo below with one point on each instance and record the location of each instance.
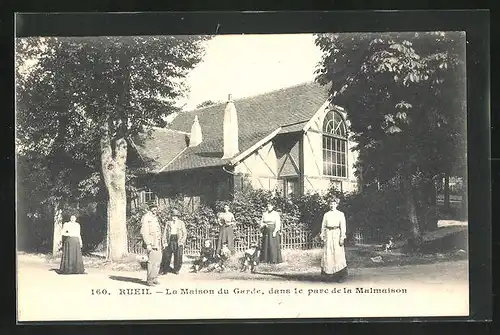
(292, 140)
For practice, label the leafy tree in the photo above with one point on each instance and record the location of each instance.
(82, 99)
(206, 103)
(405, 97)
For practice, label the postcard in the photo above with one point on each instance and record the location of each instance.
(241, 176)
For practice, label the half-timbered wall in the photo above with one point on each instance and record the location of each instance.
(276, 166)
(312, 145)
(260, 169)
(288, 157)
(290, 163)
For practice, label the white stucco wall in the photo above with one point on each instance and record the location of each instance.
(261, 168)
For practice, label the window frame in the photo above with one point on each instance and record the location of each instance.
(294, 179)
(334, 143)
(151, 193)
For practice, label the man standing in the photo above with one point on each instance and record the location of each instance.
(151, 236)
(174, 239)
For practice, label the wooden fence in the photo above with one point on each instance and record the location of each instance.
(244, 237)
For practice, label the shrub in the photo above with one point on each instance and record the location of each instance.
(312, 207)
(203, 216)
(247, 206)
(377, 213)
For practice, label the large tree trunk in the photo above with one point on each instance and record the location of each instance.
(57, 237)
(113, 170)
(411, 209)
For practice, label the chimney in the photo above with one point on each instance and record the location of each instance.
(230, 129)
(196, 136)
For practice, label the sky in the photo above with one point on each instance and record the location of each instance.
(247, 65)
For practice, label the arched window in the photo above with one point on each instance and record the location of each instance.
(334, 145)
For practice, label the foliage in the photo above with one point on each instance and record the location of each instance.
(77, 83)
(378, 214)
(381, 79)
(405, 97)
(206, 103)
(203, 217)
(312, 207)
(68, 90)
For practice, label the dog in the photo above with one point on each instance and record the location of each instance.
(250, 258)
(389, 245)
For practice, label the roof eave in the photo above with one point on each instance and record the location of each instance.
(327, 103)
(233, 161)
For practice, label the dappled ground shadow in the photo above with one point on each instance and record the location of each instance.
(128, 279)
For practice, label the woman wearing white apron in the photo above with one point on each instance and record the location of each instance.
(333, 234)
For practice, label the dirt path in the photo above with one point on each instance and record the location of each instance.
(430, 289)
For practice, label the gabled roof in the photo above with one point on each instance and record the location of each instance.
(159, 147)
(258, 116)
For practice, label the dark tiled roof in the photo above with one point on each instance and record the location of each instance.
(159, 147)
(258, 116)
(294, 127)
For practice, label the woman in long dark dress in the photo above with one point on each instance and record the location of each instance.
(226, 233)
(72, 260)
(271, 238)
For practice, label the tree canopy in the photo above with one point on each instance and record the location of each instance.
(405, 93)
(80, 99)
(67, 87)
(405, 96)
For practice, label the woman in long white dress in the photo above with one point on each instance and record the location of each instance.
(333, 234)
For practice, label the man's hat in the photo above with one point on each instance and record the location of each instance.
(175, 212)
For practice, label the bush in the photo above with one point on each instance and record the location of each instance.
(203, 216)
(312, 207)
(248, 206)
(377, 213)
